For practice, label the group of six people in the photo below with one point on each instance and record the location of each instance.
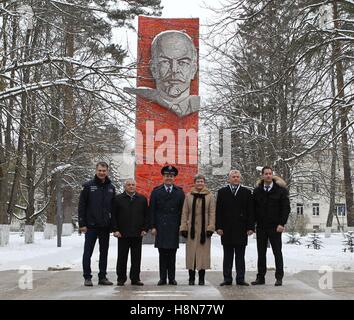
(236, 214)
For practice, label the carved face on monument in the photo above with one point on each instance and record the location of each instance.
(173, 64)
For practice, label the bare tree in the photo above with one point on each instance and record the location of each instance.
(270, 77)
(60, 75)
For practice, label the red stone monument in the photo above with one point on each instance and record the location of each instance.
(165, 134)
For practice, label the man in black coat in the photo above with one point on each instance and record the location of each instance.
(166, 204)
(95, 208)
(234, 223)
(129, 224)
(272, 208)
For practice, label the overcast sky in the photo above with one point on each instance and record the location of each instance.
(185, 8)
(172, 9)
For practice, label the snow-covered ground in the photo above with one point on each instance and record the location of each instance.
(44, 254)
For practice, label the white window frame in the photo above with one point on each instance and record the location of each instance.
(300, 207)
(316, 209)
(341, 206)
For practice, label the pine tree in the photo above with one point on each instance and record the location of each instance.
(265, 93)
(294, 239)
(349, 242)
(314, 241)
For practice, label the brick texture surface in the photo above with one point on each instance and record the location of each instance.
(147, 174)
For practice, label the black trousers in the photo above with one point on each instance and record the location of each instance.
(275, 241)
(167, 264)
(229, 252)
(124, 244)
(90, 240)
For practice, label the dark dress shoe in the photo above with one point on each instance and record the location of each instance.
(161, 282)
(278, 283)
(225, 283)
(172, 282)
(137, 283)
(242, 283)
(120, 283)
(258, 282)
(191, 282)
(88, 283)
(105, 282)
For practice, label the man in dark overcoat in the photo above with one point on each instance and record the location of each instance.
(130, 223)
(166, 204)
(234, 223)
(272, 208)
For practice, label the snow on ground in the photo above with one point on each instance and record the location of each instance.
(44, 254)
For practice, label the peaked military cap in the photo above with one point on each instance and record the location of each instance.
(169, 170)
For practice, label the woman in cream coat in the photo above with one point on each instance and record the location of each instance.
(198, 225)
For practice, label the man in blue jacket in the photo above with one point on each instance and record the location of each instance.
(166, 203)
(95, 207)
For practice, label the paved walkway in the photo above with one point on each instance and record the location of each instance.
(69, 285)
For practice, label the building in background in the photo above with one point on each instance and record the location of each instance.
(310, 192)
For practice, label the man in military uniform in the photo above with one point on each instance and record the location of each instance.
(166, 203)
